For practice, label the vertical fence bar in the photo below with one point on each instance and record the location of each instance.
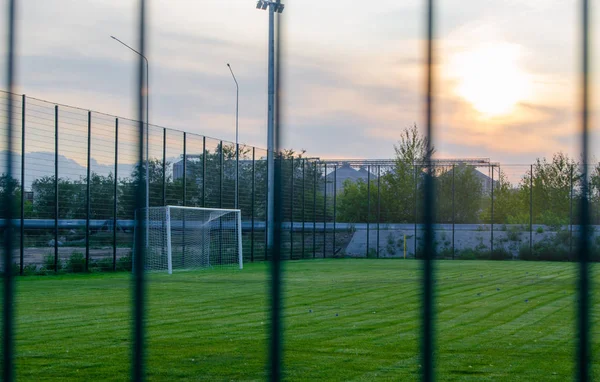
(453, 212)
(324, 210)
(221, 200)
(88, 207)
(8, 282)
(184, 195)
(221, 175)
(303, 202)
(415, 207)
(237, 174)
(427, 347)
(56, 188)
(203, 171)
(583, 322)
(164, 168)
(22, 227)
(184, 172)
(378, 204)
(368, 206)
(115, 195)
(252, 197)
(266, 237)
(531, 210)
(138, 373)
(571, 212)
(492, 217)
(315, 211)
(334, 204)
(292, 209)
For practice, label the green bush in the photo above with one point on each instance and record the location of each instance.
(514, 234)
(30, 269)
(545, 251)
(477, 253)
(500, 254)
(124, 263)
(102, 265)
(49, 263)
(76, 263)
(540, 230)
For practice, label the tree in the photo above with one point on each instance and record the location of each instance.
(509, 207)
(9, 183)
(468, 195)
(354, 206)
(71, 198)
(551, 189)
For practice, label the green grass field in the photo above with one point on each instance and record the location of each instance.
(345, 320)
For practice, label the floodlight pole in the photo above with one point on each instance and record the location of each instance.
(237, 144)
(273, 7)
(147, 91)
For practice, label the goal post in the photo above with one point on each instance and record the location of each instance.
(192, 237)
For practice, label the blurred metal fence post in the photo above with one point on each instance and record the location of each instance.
(453, 212)
(492, 216)
(415, 206)
(334, 204)
(164, 168)
(378, 205)
(22, 226)
(571, 212)
(88, 207)
(252, 197)
(315, 211)
(266, 217)
(368, 206)
(138, 372)
(531, 210)
(583, 322)
(56, 188)
(428, 346)
(115, 194)
(292, 173)
(324, 209)
(8, 282)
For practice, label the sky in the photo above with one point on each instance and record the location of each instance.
(506, 71)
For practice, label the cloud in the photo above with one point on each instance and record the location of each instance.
(352, 74)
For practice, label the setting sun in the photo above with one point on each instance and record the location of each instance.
(490, 78)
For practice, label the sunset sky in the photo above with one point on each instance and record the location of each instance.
(507, 71)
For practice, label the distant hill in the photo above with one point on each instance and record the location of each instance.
(40, 163)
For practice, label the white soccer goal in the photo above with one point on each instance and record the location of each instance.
(190, 237)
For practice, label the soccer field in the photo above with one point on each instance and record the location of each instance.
(354, 319)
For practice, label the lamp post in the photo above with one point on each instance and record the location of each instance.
(237, 145)
(146, 91)
(274, 6)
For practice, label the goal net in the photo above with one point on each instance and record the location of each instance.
(190, 237)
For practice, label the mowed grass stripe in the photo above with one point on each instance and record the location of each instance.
(213, 325)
